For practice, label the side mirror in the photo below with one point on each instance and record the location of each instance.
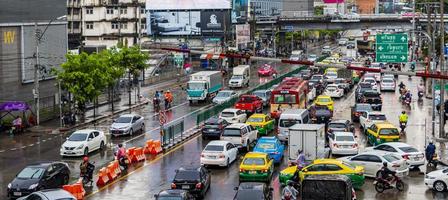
(176, 170)
(235, 188)
(156, 195)
(66, 138)
(89, 139)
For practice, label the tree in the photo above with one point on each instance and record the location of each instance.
(115, 72)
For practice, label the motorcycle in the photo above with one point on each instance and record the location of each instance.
(402, 127)
(156, 104)
(381, 184)
(123, 162)
(407, 101)
(420, 95)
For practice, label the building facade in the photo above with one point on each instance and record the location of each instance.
(297, 8)
(266, 8)
(106, 22)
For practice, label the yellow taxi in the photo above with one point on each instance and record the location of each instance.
(324, 100)
(333, 166)
(256, 167)
(382, 132)
(263, 123)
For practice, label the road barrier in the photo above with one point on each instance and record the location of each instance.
(172, 131)
(103, 178)
(77, 190)
(156, 147)
(148, 146)
(111, 172)
(139, 155)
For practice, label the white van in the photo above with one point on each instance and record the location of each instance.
(297, 55)
(288, 118)
(240, 77)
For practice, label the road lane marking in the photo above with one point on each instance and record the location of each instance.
(13, 149)
(31, 145)
(1, 151)
(147, 163)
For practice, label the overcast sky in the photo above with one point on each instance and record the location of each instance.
(31, 10)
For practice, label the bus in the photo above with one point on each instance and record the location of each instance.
(291, 93)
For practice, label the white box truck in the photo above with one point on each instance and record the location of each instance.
(204, 85)
(240, 76)
(310, 138)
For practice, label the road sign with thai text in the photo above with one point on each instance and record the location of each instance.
(392, 48)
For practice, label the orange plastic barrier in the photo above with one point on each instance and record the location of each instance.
(103, 178)
(156, 147)
(111, 172)
(131, 155)
(148, 145)
(139, 155)
(77, 190)
(116, 167)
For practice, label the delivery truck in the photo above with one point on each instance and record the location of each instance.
(310, 138)
(203, 86)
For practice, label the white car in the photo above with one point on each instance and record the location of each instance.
(233, 115)
(387, 84)
(373, 162)
(343, 143)
(127, 124)
(240, 135)
(413, 156)
(224, 95)
(312, 93)
(367, 119)
(342, 42)
(372, 82)
(219, 152)
(331, 76)
(437, 180)
(312, 58)
(82, 142)
(388, 76)
(333, 90)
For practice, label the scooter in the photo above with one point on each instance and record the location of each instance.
(381, 184)
(407, 101)
(402, 127)
(420, 96)
(123, 162)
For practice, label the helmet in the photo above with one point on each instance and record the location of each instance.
(385, 164)
(168, 91)
(120, 145)
(85, 159)
(430, 142)
(403, 112)
(299, 151)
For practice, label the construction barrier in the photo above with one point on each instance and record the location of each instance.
(148, 146)
(131, 155)
(111, 172)
(103, 178)
(117, 167)
(156, 147)
(77, 190)
(139, 155)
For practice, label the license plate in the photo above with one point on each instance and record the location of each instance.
(211, 130)
(17, 194)
(212, 157)
(252, 172)
(68, 151)
(185, 187)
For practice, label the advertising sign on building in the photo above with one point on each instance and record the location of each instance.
(213, 22)
(240, 10)
(242, 34)
(175, 23)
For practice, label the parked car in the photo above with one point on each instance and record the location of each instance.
(49, 194)
(127, 124)
(266, 70)
(240, 135)
(82, 142)
(362, 87)
(213, 128)
(264, 95)
(387, 84)
(196, 180)
(437, 180)
(343, 143)
(263, 123)
(373, 98)
(373, 162)
(224, 96)
(358, 109)
(176, 194)
(35, 177)
(256, 167)
(414, 157)
(233, 115)
(272, 146)
(253, 190)
(250, 103)
(333, 90)
(219, 152)
(368, 118)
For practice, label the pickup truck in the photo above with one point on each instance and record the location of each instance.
(373, 98)
(250, 103)
(240, 135)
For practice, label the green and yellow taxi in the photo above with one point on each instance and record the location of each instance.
(324, 100)
(287, 174)
(382, 132)
(355, 76)
(256, 167)
(263, 123)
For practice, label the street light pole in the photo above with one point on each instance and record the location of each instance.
(442, 70)
(37, 38)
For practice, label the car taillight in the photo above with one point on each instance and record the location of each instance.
(241, 170)
(405, 156)
(199, 186)
(221, 156)
(336, 145)
(355, 145)
(173, 186)
(202, 155)
(264, 170)
(357, 114)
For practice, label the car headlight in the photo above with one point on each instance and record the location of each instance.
(124, 127)
(80, 147)
(9, 185)
(429, 177)
(33, 186)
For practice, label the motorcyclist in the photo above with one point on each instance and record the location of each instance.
(121, 155)
(168, 99)
(386, 173)
(430, 151)
(420, 90)
(300, 161)
(407, 96)
(86, 170)
(403, 120)
(402, 87)
(289, 192)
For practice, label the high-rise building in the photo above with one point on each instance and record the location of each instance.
(297, 8)
(267, 7)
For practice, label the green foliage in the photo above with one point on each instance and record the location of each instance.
(129, 58)
(319, 10)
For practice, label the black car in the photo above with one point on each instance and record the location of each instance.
(196, 180)
(320, 114)
(306, 74)
(45, 175)
(359, 109)
(335, 186)
(373, 98)
(253, 190)
(362, 87)
(341, 125)
(174, 194)
(213, 128)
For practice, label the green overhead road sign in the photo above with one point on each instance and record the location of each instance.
(437, 87)
(391, 48)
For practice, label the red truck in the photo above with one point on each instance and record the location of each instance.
(250, 103)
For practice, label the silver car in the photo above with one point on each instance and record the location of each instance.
(127, 124)
(387, 84)
(265, 95)
(49, 194)
(224, 95)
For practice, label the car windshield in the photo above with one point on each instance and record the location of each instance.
(336, 125)
(224, 94)
(259, 94)
(331, 74)
(391, 157)
(369, 81)
(363, 107)
(169, 198)
(377, 117)
(288, 122)
(227, 114)
(255, 119)
(389, 131)
(31, 173)
(284, 99)
(214, 148)
(253, 161)
(123, 120)
(408, 149)
(232, 132)
(186, 175)
(78, 137)
(265, 146)
(345, 138)
(195, 86)
(324, 100)
(237, 77)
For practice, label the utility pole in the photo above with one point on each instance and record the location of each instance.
(36, 74)
(254, 24)
(442, 70)
(413, 58)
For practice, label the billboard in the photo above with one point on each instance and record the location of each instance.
(242, 34)
(174, 23)
(240, 11)
(214, 22)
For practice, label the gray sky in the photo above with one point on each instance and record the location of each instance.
(31, 10)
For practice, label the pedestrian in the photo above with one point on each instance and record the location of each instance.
(17, 123)
(429, 152)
